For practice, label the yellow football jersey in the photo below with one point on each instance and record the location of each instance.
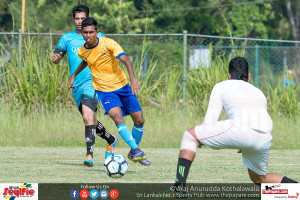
(103, 62)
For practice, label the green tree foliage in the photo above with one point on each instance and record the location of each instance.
(243, 18)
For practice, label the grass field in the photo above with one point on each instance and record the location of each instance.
(65, 165)
(163, 128)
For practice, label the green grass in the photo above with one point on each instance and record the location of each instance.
(163, 128)
(65, 165)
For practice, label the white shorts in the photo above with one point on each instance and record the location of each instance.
(225, 134)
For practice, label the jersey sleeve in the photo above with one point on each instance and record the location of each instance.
(214, 107)
(61, 46)
(116, 49)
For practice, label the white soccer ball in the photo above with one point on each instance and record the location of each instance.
(115, 166)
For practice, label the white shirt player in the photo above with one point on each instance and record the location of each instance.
(245, 104)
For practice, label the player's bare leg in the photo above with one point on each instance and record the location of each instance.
(116, 114)
(269, 178)
(138, 118)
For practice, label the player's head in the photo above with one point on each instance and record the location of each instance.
(238, 69)
(89, 21)
(80, 12)
(89, 31)
(81, 9)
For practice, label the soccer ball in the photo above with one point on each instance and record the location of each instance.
(115, 166)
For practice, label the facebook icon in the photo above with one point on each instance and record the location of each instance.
(74, 194)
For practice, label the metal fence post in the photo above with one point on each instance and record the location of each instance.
(184, 70)
(256, 65)
(20, 49)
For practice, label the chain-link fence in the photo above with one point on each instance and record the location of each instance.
(260, 53)
(267, 58)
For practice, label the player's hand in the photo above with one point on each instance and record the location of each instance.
(135, 87)
(57, 57)
(70, 82)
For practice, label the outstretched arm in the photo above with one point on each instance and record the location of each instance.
(82, 65)
(134, 85)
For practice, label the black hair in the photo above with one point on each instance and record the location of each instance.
(238, 68)
(81, 8)
(89, 22)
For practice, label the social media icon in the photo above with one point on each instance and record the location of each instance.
(114, 194)
(103, 194)
(74, 194)
(84, 194)
(94, 194)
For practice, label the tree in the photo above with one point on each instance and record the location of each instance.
(293, 15)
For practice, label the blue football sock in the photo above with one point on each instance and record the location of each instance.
(137, 133)
(126, 135)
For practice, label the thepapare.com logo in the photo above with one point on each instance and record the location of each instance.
(17, 191)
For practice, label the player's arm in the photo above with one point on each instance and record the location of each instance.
(82, 65)
(127, 63)
(60, 50)
(214, 106)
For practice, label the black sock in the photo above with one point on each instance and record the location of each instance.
(183, 168)
(90, 133)
(101, 131)
(287, 180)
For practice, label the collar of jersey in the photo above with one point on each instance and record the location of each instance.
(93, 46)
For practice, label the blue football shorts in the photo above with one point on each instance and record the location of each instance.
(122, 97)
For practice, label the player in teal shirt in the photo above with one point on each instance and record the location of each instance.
(84, 93)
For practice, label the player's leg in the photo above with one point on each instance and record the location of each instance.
(215, 135)
(256, 157)
(111, 139)
(138, 126)
(187, 155)
(137, 133)
(116, 114)
(269, 178)
(111, 103)
(131, 105)
(90, 133)
(89, 99)
(88, 107)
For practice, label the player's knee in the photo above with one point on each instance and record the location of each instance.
(257, 179)
(118, 119)
(88, 119)
(139, 122)
(188, 142)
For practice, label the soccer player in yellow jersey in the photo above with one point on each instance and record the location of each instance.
(117, 98)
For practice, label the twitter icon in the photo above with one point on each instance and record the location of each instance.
(94, 194)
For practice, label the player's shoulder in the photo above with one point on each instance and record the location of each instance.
(81, 51)
(100, 34)
(68, 34)
(222, 84)
(71, 35)
(106, 39)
